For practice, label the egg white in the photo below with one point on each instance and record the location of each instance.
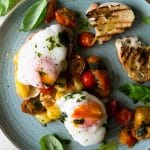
(34, 50)
(85, 136)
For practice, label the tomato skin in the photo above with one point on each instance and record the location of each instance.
(46, 90)
(126, 136)
(112, 107)
(51, 8)
(86, 39)
(123, 116)
(88, 79)
(66, 17)
(131, 141)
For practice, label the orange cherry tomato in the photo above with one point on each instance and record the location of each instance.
(126, 136)
(88, 79)
(86, 39)
(66, 17)
(51, 8)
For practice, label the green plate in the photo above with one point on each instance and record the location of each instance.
(24, 130)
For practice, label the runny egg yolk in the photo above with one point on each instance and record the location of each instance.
(90, 112)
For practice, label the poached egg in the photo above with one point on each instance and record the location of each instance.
(85, 117)
(40, 59)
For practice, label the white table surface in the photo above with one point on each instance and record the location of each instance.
(5, 144)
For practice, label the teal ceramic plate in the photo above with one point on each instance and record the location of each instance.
(24, 130)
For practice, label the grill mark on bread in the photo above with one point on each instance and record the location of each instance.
(125, 55)
(107, 8)
(109, 19)
(117, 24)
(98, 12)
(135, 58)
(110, 33)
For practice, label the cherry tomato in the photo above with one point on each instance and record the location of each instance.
(46, 90)
(66, 17)
(123, 116)
(88, 79)
(112, 107)
(126, 136)
(51, 8)
(86, 39)
(76, 65)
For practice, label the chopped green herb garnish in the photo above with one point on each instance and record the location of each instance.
(99, 65)
(39, 54)
(77, 92)
(63, 117)
(69, 96)
(93, 66)
(60, 84)
(42, 73)
(37, 104)
(58, 45)
(47, 85)
(142, 130)
(81, 99)
(44, 124)
(35, 45)
(78, 121)
(51, 42)
(64, 38)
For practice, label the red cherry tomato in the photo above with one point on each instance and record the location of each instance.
(123, 116)
(86, 39)
(88, 79)
(46, 90)
(66, 17)
(112, 107)
(51, 8)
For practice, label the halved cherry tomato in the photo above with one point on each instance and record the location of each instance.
(123, 116)
(66, 17)
(88, 79)
(86, 39)
(126, 136)
(76, 65)
(103, 87)
(46, 90)
(112, 107)
(51, 8)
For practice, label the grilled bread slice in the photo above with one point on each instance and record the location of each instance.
(135, 58)
(109, 19)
